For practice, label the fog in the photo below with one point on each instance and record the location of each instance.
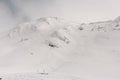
(13, 12)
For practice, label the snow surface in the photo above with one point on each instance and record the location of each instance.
(55, 49)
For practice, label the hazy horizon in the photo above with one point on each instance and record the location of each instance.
(17, 11)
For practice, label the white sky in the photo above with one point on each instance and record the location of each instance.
(15, 11)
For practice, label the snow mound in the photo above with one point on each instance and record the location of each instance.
(42, 25)
(22, 29)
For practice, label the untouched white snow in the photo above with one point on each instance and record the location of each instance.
(54, 49)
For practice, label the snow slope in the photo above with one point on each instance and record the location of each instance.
(56, 48)
(30, 46)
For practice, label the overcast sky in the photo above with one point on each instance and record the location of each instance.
(13, 12)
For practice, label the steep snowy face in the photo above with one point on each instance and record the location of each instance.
(53, 28)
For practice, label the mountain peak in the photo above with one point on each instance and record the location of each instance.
(50, 20)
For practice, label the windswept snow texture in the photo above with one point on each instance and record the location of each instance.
(54, 49)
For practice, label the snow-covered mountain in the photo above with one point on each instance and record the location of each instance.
(88, 51)
(43, 43)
